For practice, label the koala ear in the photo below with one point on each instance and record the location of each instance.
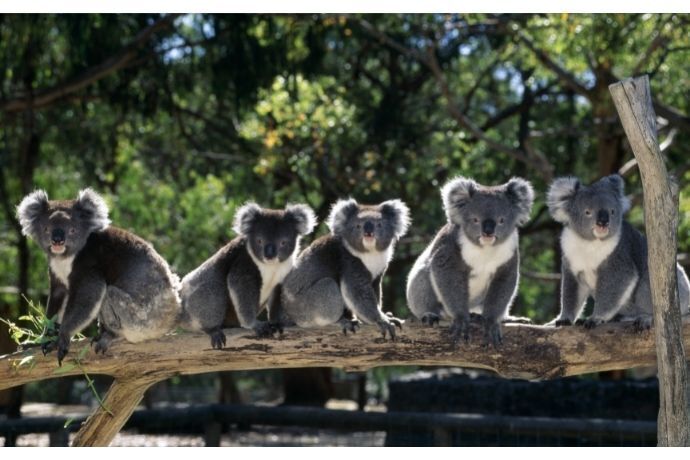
(617, 184)
(244, 218)
(456, 194)
(399, 213)
(93, 209)
(341, 211)
(560, 193)
(30, 209)
(521, 194)
(303, 215)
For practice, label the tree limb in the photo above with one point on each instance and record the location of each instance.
(91, 75)
(528, 352)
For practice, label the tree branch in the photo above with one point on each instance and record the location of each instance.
(91, 75)
(529, 352)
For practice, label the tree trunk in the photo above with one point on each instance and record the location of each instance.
(634, 103)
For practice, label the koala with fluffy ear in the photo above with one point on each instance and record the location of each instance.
(236, 283)
(472, 265)
(337, 279)
(603, 256)
(99, 271)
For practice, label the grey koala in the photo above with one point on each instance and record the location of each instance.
(233, 286)
(603, 256)
(99, 271)
(337, 279)
(472, 265)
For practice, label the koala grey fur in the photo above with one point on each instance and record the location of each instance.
(337, 279)
(472, 265)
(603, 256)
(99, 271)
(233, 286)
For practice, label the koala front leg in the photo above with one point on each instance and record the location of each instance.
(56, 300)
(275, 311)
(610, 295)
(498, 298)
(573, 298)
(83, 304)
(451, 287)
(245, 295)
(360, 297)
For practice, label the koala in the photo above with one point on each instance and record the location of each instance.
(337, 279)
(472, 265)
(603, 256)
(98, 271)
(244, 275)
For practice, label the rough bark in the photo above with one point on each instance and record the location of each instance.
(634, 104)
(102, 426)
(528, 352)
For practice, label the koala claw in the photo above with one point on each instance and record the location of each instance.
(460, 329)
(591, 323)
(387, 327)
(430, 319)
(102, 342)
(48, 346)
(493, 335)
(642, 324)
(351, 325)
(265, 329)
(218, 339)
(62, 349)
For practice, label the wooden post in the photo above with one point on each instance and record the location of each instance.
(119, 403)
(634, 104)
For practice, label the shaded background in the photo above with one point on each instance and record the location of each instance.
(177, 120)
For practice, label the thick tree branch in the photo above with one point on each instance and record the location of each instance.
(91, 75)
(529, 352)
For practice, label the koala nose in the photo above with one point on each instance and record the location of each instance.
(270, 251)
(488, 227)
(368, 228)
(57, 236)
(603, 218)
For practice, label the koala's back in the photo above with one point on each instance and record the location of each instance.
(123, 258)
(322, 259)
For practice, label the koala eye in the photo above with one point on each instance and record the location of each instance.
(283, 243)
(72, 231)
(613, 211)
(259, 241)
(475, 220)
(378, 225)
(45, 229)
(501, 221)
(588, 212)
(359, 225)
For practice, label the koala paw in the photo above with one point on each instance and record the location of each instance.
(48, 344)
(351, 325)
(388, 324)
(430, 319)
(558, 322)
(460, 329)
(397, 321)
(62, 348)
(218, 339)
(642, 324)
(492, 335)
(102, 341)
(591, 323)
(265, 329)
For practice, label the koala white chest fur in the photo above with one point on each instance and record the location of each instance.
(375, 261)
(61, 268)
(484, 261)
(585, 256)
(273, 274)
